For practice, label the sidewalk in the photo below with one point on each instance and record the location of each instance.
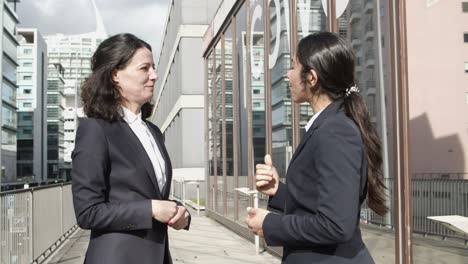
(209, 242)
(206, 242)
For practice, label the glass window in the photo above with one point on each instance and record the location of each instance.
(9, 46)
(465, 7)
(9, 116)
(218, 126)
(9, 69)
(465, 37)
(466, 67)
(310, 18)
(211, 143)
(228, 52)
(8, 92)
(279, 63)
(241, 73)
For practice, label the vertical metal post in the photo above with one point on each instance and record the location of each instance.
(400, 111)
(198, 199)
(257, 238)
(183, 193)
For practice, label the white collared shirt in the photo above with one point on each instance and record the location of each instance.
(143, 133)
(313, 118)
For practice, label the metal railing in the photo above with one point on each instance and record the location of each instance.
(34, 222)
(191, 192)
(431, 197)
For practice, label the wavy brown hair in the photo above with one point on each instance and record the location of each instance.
(333, 61)
(99, 93)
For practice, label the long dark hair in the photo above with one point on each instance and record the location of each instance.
(99, 93)
(333, 61)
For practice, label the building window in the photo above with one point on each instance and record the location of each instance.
(27, 64)
(465, 37)
(27, 105)
(27, 91)
(466, 67)
(465, 7)
(27, 51)
(27, 78)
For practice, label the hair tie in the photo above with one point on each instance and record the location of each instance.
(352, 89)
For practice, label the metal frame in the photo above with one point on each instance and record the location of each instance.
(400, 111)
(215, 158)
(235, 109)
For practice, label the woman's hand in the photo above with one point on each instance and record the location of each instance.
(181, 219)
(163, 211)
(255, 218)
(266, 177)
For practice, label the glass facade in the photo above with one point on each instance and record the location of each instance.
(252, 51)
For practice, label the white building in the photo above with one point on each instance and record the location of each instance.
(178, 95)
(74, 53)
(31, 100)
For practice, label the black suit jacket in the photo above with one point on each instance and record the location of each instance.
(319, 206)
(113, 183)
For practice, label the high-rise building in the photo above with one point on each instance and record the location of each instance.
(9, 20)
(74, 53)
(31, 102)
(55, 122)
(178, 94)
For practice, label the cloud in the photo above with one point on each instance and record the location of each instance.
(144, 18)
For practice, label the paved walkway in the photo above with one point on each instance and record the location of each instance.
(210, 242)
(206, 242)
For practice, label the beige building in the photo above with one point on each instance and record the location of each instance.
(437, 34)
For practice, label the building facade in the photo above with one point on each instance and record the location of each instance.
(439, 88)
(31, 104)
(178, 94)
(55, 122)
(74, 53)
(8, 108)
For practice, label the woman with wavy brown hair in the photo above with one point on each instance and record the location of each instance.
(121, 171)
(315, 215)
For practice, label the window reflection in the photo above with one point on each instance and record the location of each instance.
(228, 75)
(279, 63)
(218, 126)
(241, 73)
(310, 18)
(210, 132)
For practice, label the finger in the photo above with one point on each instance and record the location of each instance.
(261, 177)
(175, 218)
(263, 167)
(261, 183)
(183, 221)
(264, 172)
(268, 160)
(180, 224)
(251, 211)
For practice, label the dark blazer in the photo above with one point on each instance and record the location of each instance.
(113, 183)
(319, 206)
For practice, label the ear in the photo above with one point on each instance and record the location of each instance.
(312, 78)
(115, 76)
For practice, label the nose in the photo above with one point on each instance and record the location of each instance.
(153, 75)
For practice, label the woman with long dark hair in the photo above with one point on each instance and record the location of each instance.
(315, 215)
(121, 171)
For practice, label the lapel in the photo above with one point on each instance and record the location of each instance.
(140, 153)
(330, 110)
(160, 142)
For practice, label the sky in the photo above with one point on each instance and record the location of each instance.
(143, 18)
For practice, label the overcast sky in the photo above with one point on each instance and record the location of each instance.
(144, 18)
